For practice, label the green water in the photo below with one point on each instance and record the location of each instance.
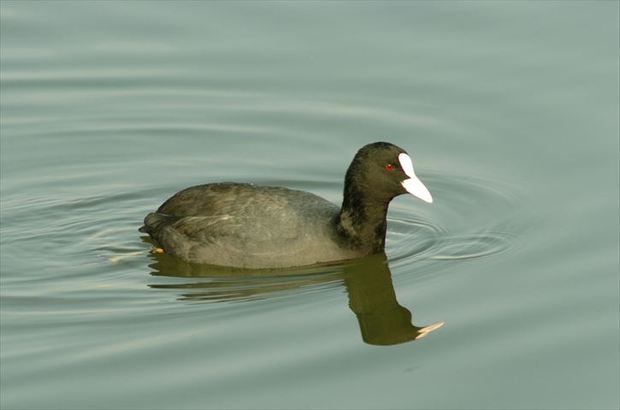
(509, 109)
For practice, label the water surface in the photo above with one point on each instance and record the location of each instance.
(509, 109)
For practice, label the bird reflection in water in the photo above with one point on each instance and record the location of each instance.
(368, 281)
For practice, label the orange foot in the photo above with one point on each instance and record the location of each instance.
(158, 250)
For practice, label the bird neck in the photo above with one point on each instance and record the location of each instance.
(361, 223)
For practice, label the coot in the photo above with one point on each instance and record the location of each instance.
(255, 227)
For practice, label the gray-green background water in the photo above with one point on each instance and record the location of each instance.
(510, 110)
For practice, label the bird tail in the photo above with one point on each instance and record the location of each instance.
(154, 222)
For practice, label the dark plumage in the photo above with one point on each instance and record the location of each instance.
(248, 226)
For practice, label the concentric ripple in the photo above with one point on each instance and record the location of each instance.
(471, 218)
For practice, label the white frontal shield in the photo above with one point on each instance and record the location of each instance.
(413, 185)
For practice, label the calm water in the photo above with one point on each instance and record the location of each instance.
(510, 110)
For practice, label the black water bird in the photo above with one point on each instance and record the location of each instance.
(255, 227)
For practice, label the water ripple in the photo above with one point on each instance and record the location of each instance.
(471, 218)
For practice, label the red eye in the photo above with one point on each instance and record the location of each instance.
(389, 167)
